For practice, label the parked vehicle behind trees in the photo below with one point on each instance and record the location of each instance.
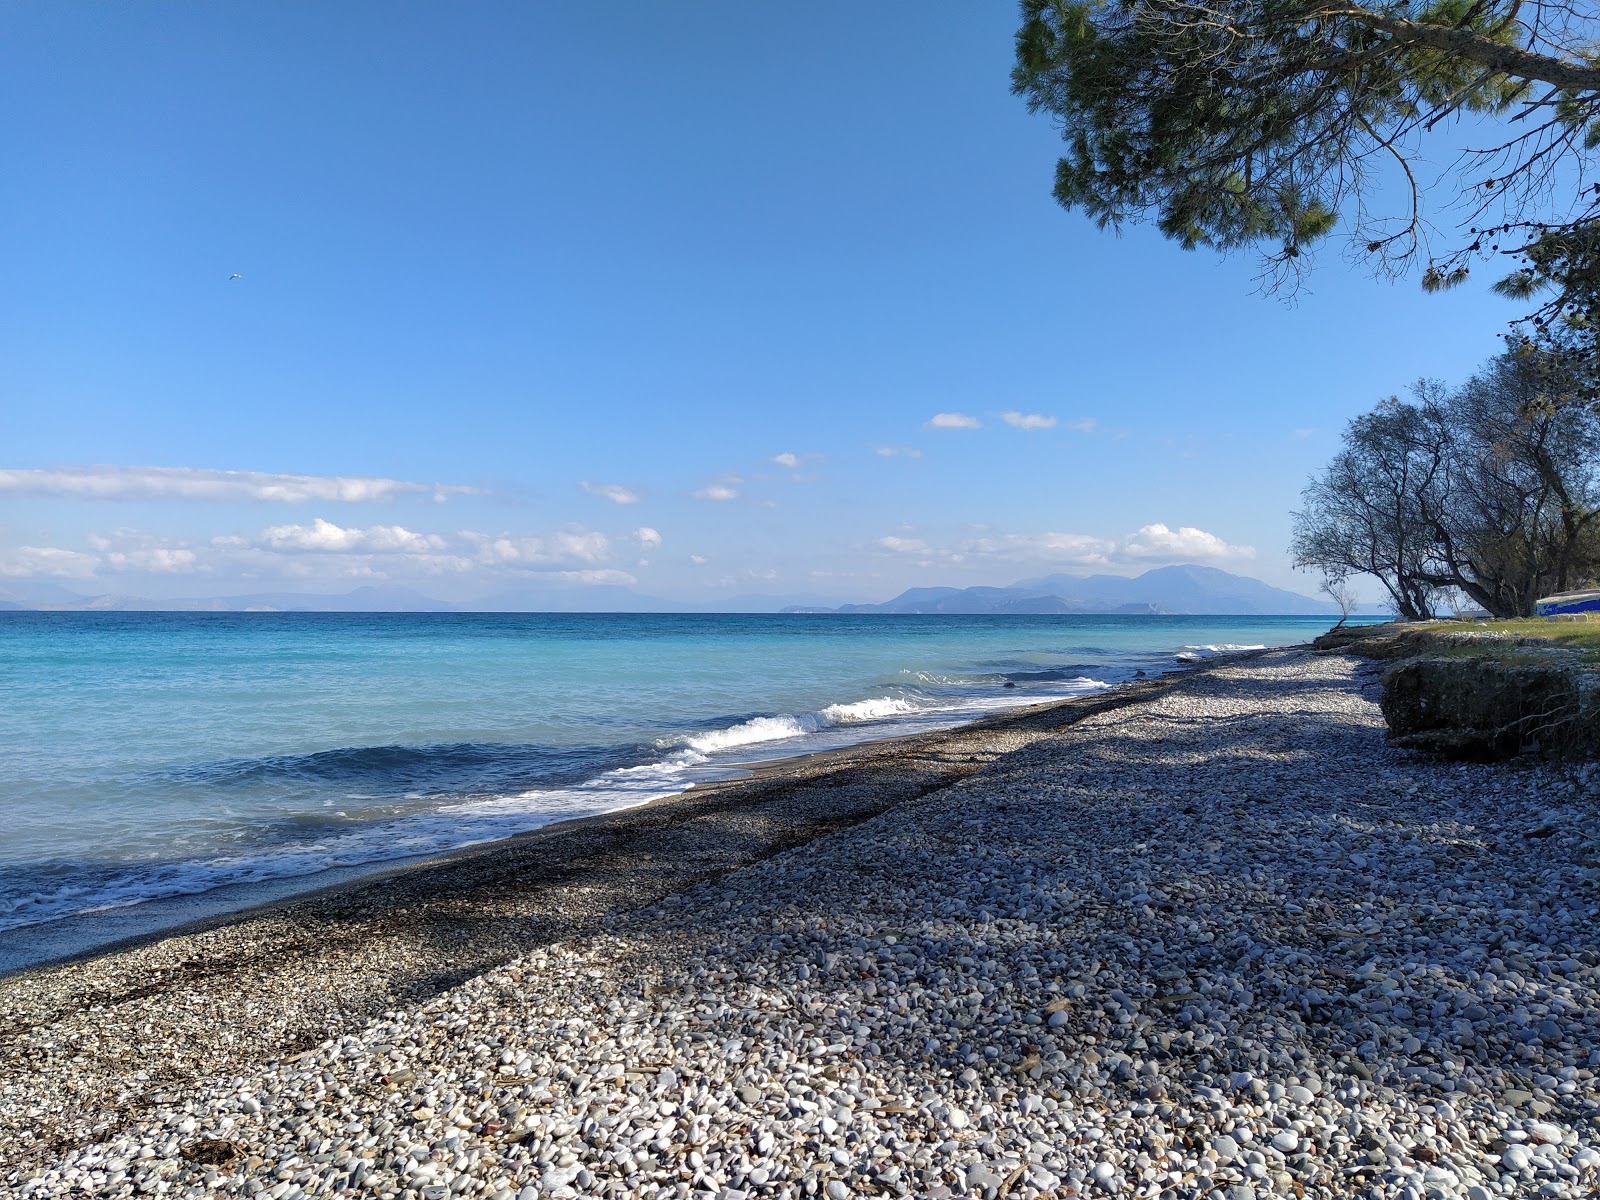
(1492, 489)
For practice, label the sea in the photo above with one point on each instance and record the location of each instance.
(159, 766)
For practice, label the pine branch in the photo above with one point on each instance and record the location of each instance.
(1470, 46)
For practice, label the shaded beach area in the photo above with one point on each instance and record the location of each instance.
(1205, 935)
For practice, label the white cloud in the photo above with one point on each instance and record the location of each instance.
(326, 536)
(1302, 434)
(717, 491)
(1068, 547)
(613, 492)
(158, 560)
(1028, 420)
(608, 576)
(323, 549)
(900, 545)
(1149, 545)
(898, 452)
(954, 421)
(790, 461)
(192, 483)
(698, 560)
(1085, 425)
(1157, 541)
(30, 561)
(565, 548)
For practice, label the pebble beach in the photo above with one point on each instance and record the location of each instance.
(1211, 939)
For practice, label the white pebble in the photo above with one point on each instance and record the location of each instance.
(1516, 1158)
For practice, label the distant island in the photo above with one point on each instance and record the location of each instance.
(1166, 591)
(1188, 590)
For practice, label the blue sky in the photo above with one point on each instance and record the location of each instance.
(666, 296)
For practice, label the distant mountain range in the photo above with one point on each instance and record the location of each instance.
(1183, 590)
(1176, 590)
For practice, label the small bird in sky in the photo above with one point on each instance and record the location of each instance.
(231, 278)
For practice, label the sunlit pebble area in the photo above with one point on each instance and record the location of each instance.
(1223, 943)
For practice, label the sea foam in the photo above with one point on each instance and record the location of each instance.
(1201, 653)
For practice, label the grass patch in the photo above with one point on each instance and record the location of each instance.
(1575, 635)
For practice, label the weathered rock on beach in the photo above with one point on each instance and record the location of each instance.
(1220, 943)
(1490, 707)
(1477, 693)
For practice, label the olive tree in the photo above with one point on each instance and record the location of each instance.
(1491, 490)
(1373, 510)
(1525, 513)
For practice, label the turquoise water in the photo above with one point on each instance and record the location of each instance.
(148, 755)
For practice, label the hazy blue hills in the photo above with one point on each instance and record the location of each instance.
(1182, 590)
(26, 594)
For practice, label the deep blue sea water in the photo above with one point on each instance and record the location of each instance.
(149, 755)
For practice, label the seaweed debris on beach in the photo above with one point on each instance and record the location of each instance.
(1221, 942)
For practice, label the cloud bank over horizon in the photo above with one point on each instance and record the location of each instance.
(1149, 546)
(325, 552)
(190, 528)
